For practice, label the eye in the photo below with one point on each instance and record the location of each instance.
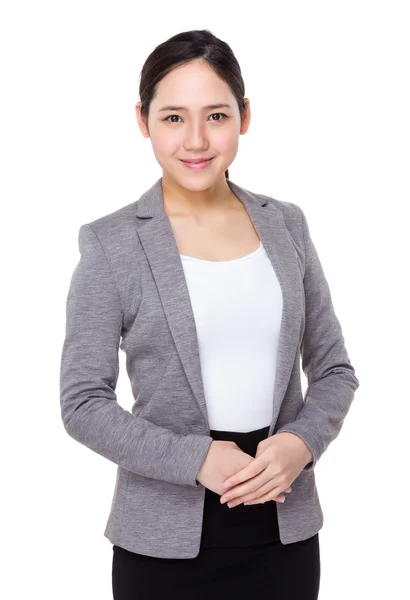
(170, 117)
(223, 115)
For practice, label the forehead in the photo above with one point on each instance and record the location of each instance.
(192, 85)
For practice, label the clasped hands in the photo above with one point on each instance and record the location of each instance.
(278, 461)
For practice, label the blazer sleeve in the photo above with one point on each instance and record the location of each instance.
(88, 377)
(330, 375)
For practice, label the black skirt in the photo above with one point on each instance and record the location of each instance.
(240, 554)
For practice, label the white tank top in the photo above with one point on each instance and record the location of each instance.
(237, 306)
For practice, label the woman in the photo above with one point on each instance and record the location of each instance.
(214, 293)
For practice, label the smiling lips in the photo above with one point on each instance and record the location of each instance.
(195, 160)
(196, 163)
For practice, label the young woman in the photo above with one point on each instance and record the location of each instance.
(214, 293)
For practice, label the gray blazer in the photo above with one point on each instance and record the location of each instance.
(129, 291)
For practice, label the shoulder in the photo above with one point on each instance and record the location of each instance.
(292, 214)
(290, 211)
(115, 223)
(111, 241)
(112, 238)
(115, 231)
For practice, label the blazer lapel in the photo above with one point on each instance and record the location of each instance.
(158, 241)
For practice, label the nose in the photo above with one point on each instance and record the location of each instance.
(196, 138)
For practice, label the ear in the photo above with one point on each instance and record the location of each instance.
(142, 120)
(246, 117)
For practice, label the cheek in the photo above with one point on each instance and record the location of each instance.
(164, 148)
(227, 147)
(226, 142)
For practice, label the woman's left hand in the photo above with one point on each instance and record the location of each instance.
(278, 461)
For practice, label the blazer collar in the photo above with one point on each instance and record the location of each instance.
(158, 241)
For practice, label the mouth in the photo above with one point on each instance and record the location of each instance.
(197, 163)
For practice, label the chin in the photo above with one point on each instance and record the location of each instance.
(195, 181)
(201, 184)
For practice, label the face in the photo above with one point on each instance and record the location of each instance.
(192, 130)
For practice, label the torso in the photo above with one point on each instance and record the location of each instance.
(217, 236)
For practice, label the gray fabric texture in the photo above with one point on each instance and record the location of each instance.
(128, 291)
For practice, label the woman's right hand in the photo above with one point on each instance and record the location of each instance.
(223, 460)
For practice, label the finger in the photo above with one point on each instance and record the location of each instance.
(251, 470)
(266, 498)
(270, 488)
(248, 487)
(260, 499)
(256, 495)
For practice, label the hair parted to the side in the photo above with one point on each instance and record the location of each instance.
(182, 48)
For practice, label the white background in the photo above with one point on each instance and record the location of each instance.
(329, 89)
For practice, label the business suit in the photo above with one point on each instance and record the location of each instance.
(128, 291)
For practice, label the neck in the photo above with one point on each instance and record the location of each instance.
(176, 197)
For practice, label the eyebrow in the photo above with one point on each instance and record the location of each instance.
(209, 107)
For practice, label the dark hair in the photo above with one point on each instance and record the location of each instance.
(182, 48)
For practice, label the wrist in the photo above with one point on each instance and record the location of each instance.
(304, 449)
